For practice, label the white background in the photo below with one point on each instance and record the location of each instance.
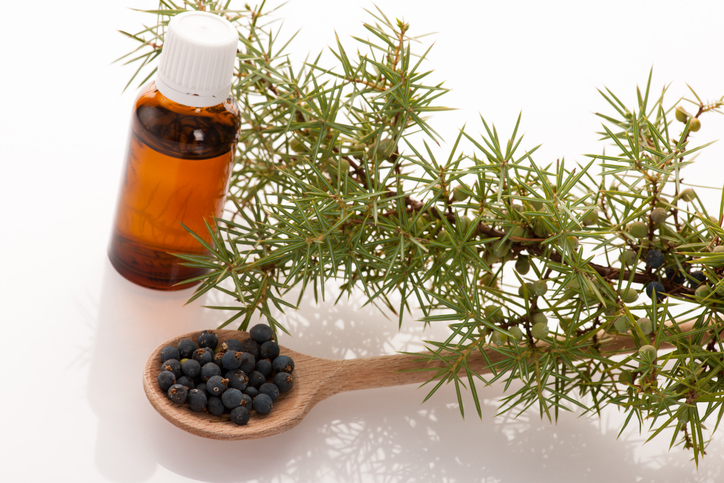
(76, 335)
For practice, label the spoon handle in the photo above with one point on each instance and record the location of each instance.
(396, 370)
(400, 369)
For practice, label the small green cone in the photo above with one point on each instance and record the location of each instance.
(591, 218)
(648, 352)
(646, 325)
(622, 324)
(540, 287)
(658, 215)
(516, 333)
(688, 195)
(638, 229)
(522, 264)
(539, 330)
(681, 114)
(459, 194)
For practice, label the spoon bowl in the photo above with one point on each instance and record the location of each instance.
(288, 411)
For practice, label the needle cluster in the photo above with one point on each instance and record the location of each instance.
(601, 283)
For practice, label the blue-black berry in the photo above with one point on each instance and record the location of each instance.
(239, 415)
(177, 393)
(248, 362)
(697, 278)
(251, 346)
(264, 366)
(262, 404)
(251, 391)
(202, 387)
(172, 365)
(170, 352)
(231, 345)
(231, 360)
(270, 390)
(208, 339)
(659, 288)
(186, 381)
(654, 258)
(269, 350)
(216, 385)
(191, 368)
(283, 381)
(231, 398)
(246, 401)
(261, 333)
(237, 379)
(186, 348)
(166, 379)
(197, 400)
(203, 355)
(210, 369)
(283, 364)
(256, 379)
(215, 406)
(675, 275)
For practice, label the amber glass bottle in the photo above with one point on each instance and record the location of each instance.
(180, 156)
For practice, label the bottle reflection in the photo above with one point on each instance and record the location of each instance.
(132, 322)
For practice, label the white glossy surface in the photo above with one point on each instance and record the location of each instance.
(77, 334)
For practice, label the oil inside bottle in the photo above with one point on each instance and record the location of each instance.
(179, 162)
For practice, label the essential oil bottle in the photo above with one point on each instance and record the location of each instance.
(182, 141)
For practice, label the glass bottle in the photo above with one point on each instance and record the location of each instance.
(182, 141)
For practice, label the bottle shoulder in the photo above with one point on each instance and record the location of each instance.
(186, 131)
(152, 97)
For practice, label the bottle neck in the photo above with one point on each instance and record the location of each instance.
(192, 99)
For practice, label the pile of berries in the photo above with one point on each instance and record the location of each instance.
(236, 376)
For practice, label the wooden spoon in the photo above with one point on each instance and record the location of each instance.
(315, 379)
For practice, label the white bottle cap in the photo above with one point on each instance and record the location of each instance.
(197, 60)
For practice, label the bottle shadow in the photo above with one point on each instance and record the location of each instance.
(370, 435)
(131, 322)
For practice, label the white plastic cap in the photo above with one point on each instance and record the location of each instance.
(197, 60)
